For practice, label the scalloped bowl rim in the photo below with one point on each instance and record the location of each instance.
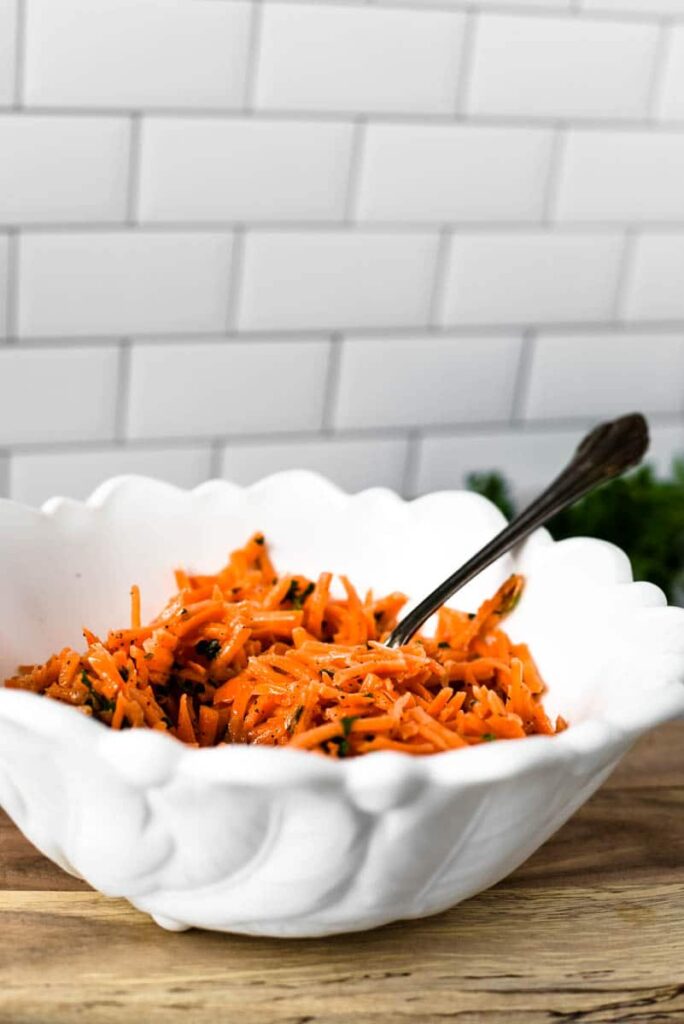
(475, 764)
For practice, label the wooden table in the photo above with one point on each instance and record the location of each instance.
(590, 930)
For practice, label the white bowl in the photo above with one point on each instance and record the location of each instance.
(281, 842)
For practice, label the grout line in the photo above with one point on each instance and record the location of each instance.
(439, 283)
(134, 159)
(12, 289)
(517, 8)
(466, 60)
(356, 161)
(660, 64)
(215, 460)
(531, 427)
(19, 55)
(522, 378)
(253, 54)
(388, 333)
(317, 227)
(332, 384)
(235, 279)
(409, 481)
(122, 395)
(624, 276)
(476, 120)
(554, 179)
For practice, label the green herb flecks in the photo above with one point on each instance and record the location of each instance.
(296, 595)
(97, 701)
(294, 718)
(347, 721)
(208, 648)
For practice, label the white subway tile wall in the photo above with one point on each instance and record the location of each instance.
(413, 382)
(209, 389)
(136, 53)
(358, 59)
(655, 280)
(353, 464)
(60, 395)
(4, 284)
(36, 476)
(561, 67)
(604, 177)
(465, 173)
(118, 282)
(63, 169)
(672, 102)
(526, 278)
(393, 242)
(8, 31)
(243, 170)
(335, 279)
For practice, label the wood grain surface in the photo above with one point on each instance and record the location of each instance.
(589, 930)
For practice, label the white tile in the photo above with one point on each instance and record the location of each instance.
(554, 5)
(635, 6)
(136, 53)
(605, 374)
(410, 382)
(8, 31)
(336, 279)
(4, 282)
(120, 282)
(57, 169)
(655, 286)
(622, 176)
(526, 278)
(352, 464)
(672, 90)
(529, 460)
(36, 477)
(442, 173)
(226, 388)
(667, 444)
(561, 67)
(209, 170)
(57, 394)
(358, 59)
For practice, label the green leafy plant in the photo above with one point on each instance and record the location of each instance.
(641, 513)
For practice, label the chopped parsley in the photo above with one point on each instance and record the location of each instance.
(443, 643)
(97, 702)
(347, 722)
(342, 744)
(209, 648)
(297, 595)
(259, 539)
(488, 737)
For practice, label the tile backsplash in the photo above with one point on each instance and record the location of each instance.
(393, 241)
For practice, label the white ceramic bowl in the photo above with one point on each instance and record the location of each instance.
(281, 842)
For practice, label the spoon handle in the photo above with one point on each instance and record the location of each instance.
(606, 452)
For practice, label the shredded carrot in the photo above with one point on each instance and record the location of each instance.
(247, 656)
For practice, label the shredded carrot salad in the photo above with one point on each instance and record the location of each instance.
(250, 656)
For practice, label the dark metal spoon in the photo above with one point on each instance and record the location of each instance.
(606, 452)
